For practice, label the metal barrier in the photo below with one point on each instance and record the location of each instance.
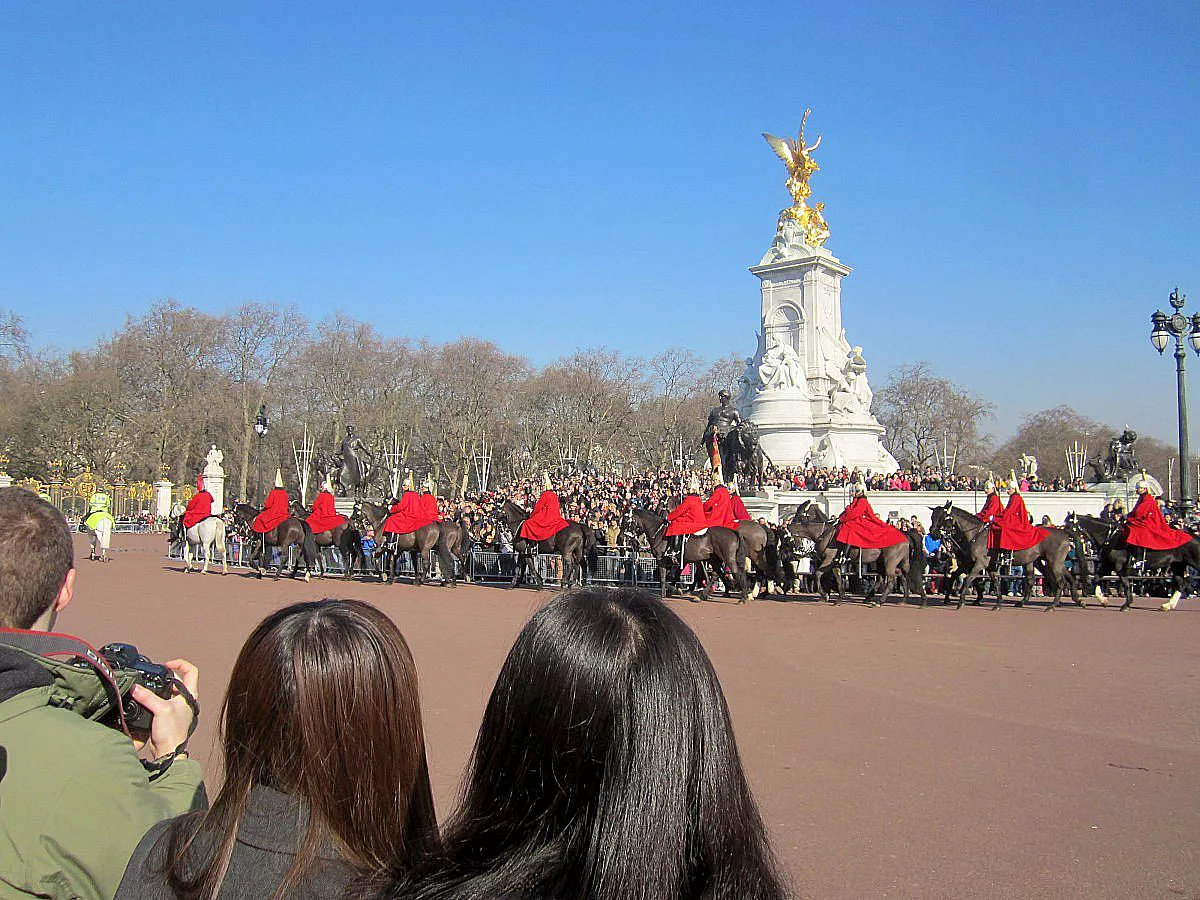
(483, 566)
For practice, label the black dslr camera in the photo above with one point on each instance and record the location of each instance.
(150, 675)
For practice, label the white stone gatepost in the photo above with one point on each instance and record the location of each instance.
(214, 479)
(162, 499)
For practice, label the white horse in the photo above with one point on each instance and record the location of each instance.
(101, 537)
(207, 533)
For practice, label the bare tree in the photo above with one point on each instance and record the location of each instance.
(260, 340)
(923, 413)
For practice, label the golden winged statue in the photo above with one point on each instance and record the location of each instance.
(797, 156)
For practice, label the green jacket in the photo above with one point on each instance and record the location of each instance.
(75, 800)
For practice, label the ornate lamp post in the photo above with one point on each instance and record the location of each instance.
(261, 426)
(1179, 326)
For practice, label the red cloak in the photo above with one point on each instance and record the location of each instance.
(992, 508)
(687, 518)
(275, 512)
(546, 520)
(719, 509)
(325, 516)
(430, 508)
(1016, 531)
(198, 509)
(1148, 527)
(740, 513)
(407, 515)
(861, 527)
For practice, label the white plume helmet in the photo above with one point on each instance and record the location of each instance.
(547, 484)
(409, 484)
(1144, 483)
(733, 485)
(278, 478)
(1013, 483)
(694, 485)
(328, 484)
(428, 486)
(717, 479)
(860, 488)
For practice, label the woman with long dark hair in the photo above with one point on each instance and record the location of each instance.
(326, 780)
(605, 768)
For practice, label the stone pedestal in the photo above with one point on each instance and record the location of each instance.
(215, 485)
(806, 387)
(162, 499)
(5, 480)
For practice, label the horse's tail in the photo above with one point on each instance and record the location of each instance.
(351, 549)
(739, 560)
(917, 563)
(591, 553)
(309, 547)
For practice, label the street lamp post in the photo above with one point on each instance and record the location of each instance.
(261, 426)
(1179, 326)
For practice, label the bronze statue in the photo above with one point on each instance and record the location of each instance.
(1121, 461)
(356, 472)
(722, 419)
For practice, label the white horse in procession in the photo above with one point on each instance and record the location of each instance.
(207, 533)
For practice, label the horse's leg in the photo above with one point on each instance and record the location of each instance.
(1179, 571)
(518, 567)
(208, 552)
(418, 560)
(700, 576)
(1126, 586)
(446, 561)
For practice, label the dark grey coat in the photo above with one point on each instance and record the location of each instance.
(267, 841)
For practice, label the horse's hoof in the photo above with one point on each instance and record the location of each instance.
(307, 578)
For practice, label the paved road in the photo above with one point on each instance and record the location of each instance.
(896, 752)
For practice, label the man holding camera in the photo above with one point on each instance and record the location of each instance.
(75, 796)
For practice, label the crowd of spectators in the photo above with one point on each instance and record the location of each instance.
(601, 498)
(823, 478)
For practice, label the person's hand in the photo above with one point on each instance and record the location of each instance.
(172, 718)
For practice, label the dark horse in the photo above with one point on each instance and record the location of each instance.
(741, 455)
(345, 537)
(1131, 563)
(1098, 551)
(292, 532)
(721, 544)
(762, 553)
(575, 544)
(417, 543)
(968, 540)
(906, 559)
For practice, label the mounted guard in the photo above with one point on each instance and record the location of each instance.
(197, 527)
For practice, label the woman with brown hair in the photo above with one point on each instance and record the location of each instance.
(325, 773)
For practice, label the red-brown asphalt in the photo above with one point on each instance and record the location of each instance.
(895, 752)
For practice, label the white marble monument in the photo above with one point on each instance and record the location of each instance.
(806, 387)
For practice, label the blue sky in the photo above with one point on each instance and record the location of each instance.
(1015, 185)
